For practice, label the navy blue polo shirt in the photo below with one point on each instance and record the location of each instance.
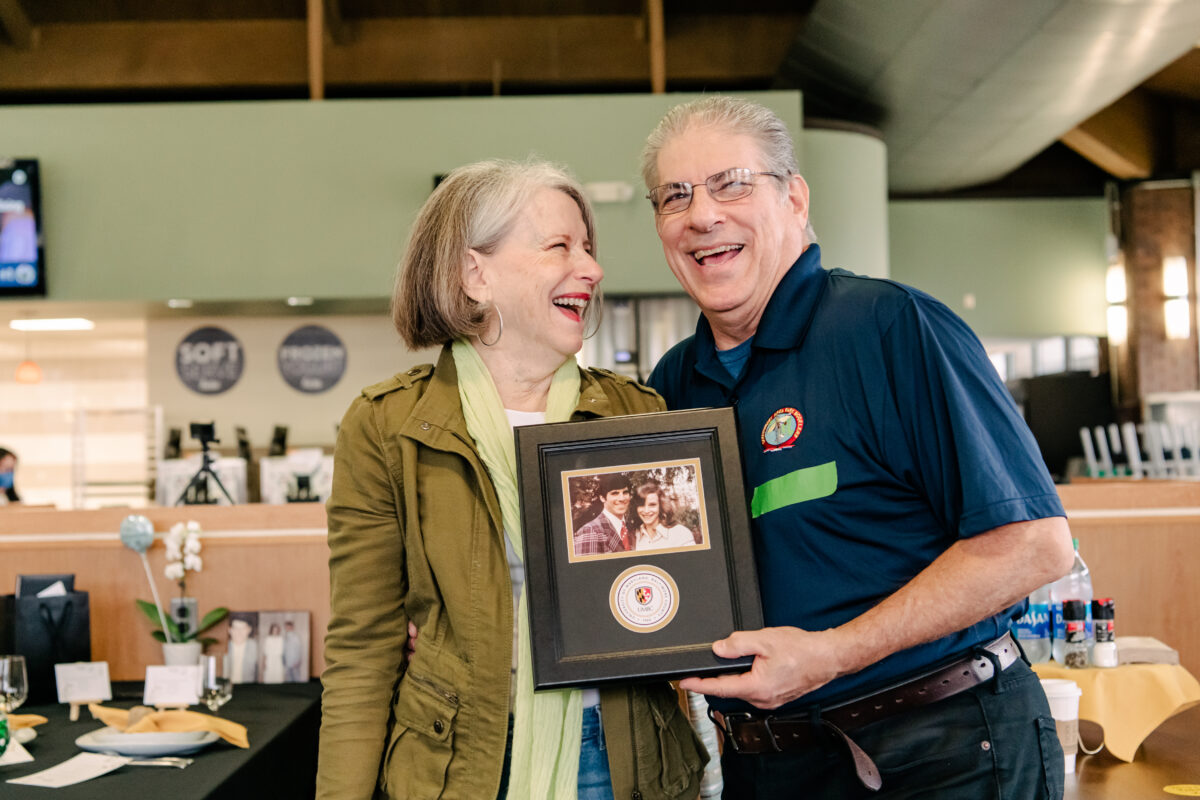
(874, 434)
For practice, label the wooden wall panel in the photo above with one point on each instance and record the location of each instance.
(256, 558)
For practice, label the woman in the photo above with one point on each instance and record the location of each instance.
(424, 522)
(273, 655)
(654, 517)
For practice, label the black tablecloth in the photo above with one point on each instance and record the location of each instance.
(282, 722)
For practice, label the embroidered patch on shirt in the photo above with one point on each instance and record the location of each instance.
(781, 429)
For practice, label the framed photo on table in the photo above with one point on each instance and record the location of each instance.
(638, 553)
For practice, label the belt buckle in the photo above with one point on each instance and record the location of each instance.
(748, 718)
(724, 724)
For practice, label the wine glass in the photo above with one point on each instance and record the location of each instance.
(215, 688)
(14, 684)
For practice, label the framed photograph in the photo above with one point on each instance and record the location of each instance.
(283, 655)
(638, 553)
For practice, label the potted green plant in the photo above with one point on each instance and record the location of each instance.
(179, 631)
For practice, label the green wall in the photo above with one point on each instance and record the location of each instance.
(261, 200)
(847, 181)
(1035, 267)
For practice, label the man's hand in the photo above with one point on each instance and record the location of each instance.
(788, 663)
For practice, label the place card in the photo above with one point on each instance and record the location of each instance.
(172, 686)
(77, 769)
(83, 682)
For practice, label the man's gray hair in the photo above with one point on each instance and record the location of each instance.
(736, 115)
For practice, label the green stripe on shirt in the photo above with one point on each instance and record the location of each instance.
(795, 487)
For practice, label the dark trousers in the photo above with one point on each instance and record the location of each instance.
(996, 741)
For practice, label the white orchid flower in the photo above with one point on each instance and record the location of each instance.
(174, 571)
(193, 526)
(192, 543)
(193, 562)
(173, 552)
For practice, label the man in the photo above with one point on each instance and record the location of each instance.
(241, 660)
(293, 653)
(607, 533)
(901, 511)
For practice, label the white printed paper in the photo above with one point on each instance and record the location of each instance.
(15, 754)
(82, 682)
(76, 769)
(172, 686)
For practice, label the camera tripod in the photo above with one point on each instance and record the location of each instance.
(196, 492)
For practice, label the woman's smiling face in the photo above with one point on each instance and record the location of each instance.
(648, 510)
(541, 277)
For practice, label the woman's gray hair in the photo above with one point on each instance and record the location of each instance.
(735, 115)
(474, 208)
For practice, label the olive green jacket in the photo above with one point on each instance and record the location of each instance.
(414, 533)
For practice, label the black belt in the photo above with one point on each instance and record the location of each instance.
(755, 733)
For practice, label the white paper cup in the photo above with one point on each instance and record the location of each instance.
(1064, 707)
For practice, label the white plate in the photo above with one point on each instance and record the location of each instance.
(110, 740)
(24, 735)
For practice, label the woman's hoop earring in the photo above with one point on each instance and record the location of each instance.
(492, 343)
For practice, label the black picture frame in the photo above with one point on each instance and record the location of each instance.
(589, 624)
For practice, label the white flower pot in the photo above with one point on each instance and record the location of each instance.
(181, 654)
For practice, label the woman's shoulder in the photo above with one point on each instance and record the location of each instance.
(638, 396)
(408, 379)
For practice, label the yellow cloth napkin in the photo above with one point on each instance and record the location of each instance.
(18, 721)
(171, 722)
(1129, 701)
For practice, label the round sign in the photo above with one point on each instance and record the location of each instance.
(209, 360)
(644, 598)
(312, 359)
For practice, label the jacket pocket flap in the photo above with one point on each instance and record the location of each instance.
(424, 707)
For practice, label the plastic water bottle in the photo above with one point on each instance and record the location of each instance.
(1033, 629)
(1075, 585)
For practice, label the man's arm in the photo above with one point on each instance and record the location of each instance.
(973, 579)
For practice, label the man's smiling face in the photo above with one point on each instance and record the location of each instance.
(617, 502)
(729, 256)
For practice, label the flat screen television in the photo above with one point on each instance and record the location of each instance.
(22, 261)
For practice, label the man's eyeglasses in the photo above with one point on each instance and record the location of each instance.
(732, 184)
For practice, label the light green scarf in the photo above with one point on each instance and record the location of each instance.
(546, 725)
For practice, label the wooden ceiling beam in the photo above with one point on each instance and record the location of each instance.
(549, 50)
(316, 49)
(1120, 139)
(658, 46)
(16, 24)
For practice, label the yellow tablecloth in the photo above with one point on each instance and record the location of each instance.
(1129, 701)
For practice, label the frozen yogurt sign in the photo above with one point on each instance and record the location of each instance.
(312, 358)
(209, 360)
